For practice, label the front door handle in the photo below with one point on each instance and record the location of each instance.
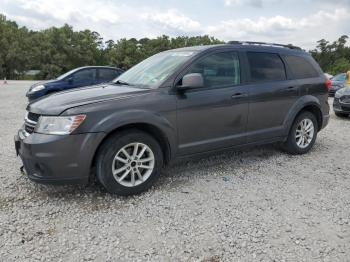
(239, 95)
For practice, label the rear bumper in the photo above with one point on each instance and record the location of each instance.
(325, 121)
(57, 159)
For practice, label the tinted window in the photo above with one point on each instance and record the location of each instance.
(220, 69)
(266, 67)
(107, 74)
(84, 75)
(301, 67)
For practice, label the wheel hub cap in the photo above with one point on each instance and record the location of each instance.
(133, 164)
(304, 133)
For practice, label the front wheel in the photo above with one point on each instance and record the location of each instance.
(302, 135)
(129, 162)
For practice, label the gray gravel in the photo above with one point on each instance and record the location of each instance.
(257, 204)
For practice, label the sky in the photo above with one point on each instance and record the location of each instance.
(298, 22)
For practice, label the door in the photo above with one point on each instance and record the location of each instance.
(214, 116)
(84, 77)
(271, 95)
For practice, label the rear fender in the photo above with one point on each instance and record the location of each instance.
(298, 106)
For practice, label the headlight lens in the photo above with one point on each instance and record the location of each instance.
(37, 88)
(58, 125)
(339, 93)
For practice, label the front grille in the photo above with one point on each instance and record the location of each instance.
(30, 122)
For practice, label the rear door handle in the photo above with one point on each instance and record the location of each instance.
(291, 88)
(239, 95)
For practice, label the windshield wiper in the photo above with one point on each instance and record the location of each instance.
(121, 82)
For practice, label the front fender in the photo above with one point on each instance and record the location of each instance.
(118, 119)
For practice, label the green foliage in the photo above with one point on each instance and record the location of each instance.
(333, 57)
(57, 50)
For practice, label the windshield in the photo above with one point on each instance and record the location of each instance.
(155, 69)
(66, 74)
(340, 77)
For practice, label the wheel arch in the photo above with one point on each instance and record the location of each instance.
(316, 111)
(148, 128)
(305, 103)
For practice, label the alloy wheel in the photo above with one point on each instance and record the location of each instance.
(133, 164)
(304, 133)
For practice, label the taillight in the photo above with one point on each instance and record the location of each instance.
(328, 84)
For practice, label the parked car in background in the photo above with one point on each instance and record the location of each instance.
(341, 103)
(79, 77)
(174, 105)
(337, 82)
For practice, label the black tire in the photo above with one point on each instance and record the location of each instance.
(109, 149)
(342, 115)
(291, 146)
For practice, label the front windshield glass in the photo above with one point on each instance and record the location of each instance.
(66, 74)
(155, 69)
(340, 77)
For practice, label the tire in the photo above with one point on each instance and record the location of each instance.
(342, 115)
(109, 168)
(295, 144)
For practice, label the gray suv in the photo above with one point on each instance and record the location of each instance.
(176, 104)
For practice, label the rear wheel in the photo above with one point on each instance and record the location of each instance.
(302, 135)
(341, 114)
(129, 162)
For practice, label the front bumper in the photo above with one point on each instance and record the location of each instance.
(57, 159)
(33, 96)
(341, 107)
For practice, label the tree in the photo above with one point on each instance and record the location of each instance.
(56, 50)
(333, 57)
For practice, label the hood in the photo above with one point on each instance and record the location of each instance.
(56, 103)
(343, 92)
(346, 91)
(44, 82)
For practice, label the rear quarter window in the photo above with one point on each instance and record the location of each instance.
(266, 67)
(301, 67)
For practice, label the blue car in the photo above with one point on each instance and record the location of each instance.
(79, 77)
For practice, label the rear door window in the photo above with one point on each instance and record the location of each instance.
(107, 74)
(301, 67)
(266, 67)
(85, 75)
(218, 70)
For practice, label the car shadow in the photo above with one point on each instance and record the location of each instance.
(179, 174)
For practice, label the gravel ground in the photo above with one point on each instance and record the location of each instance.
(256, 204)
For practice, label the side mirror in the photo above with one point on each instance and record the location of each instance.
(189, 81)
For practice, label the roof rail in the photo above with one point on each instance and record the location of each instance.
(264, 44)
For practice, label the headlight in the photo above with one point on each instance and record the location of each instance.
(339, 93)
(37, 88)
(58, 125)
